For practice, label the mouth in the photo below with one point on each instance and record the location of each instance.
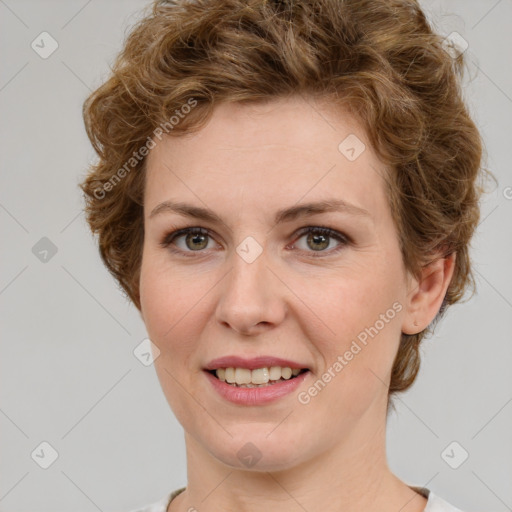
(257, 378)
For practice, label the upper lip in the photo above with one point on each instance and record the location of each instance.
(252, 363)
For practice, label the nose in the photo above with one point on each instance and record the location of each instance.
(251, 297)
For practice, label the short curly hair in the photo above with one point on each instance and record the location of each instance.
(381, 59)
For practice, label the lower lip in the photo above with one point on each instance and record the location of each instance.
(256, 396)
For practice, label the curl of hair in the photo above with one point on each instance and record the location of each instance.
(380, 59)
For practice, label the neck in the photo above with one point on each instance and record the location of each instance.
(348, 477)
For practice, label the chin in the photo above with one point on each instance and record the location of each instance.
(254, 450)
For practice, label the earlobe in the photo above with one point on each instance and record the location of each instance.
(426, 294)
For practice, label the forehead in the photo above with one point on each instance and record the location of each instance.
(267, 154)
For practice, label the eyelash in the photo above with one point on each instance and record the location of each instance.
(344, 240)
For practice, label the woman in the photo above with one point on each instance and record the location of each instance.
(287, 192)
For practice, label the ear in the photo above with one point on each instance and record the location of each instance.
(425, 294)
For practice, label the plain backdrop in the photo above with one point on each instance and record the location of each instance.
(69, 376)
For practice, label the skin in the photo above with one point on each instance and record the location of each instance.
(248, 162)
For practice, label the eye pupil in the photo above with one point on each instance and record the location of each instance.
(319, 239)
(194, 237)
(196, 240)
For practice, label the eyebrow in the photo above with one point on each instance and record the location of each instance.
(284, 215)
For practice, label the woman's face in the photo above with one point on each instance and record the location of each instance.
(252, 287)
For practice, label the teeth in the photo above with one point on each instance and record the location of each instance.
(243, 376)
(259, 376)
(275, 372)
(286, 373)
(230, 375)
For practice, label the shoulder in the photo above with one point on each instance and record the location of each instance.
(161, 505)
(435, 503)
(438, 504)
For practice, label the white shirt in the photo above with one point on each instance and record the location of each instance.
(434, 503)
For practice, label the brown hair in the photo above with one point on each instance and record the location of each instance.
(379, 58)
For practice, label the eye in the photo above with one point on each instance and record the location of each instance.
(318, 239)
(195, 239)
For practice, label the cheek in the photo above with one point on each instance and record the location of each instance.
(165, 301)
(176, 310)
(354, 299)
(170, 304)
(360, 316)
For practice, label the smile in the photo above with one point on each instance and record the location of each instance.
(251, 394)
(259, 377)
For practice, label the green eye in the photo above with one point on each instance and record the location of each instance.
(196, 240)
(318, 239)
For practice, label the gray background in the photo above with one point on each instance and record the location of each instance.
(68, 373)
